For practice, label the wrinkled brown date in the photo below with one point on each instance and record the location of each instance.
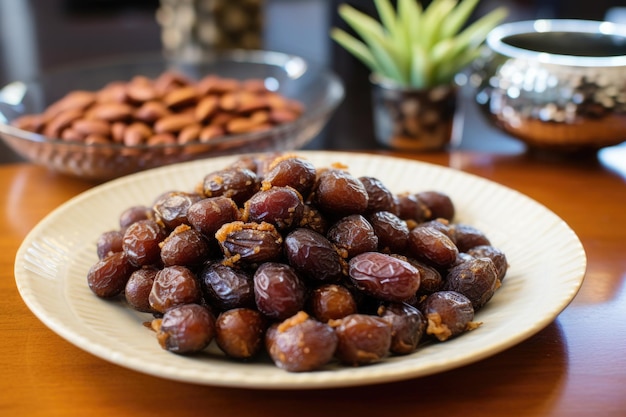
(332, 302)
(250, 242)
(209, 214)
(353, 234)
(138, 289)
(108, 277)
(226, 287)
(338, 193)
(313, 256)
(296, 173)
(477, 279)
(432, 245)
(280, 206)
(449, 314)
(278, 291)
(496, 255)
(171, 208)
(184, 246)
(408, 326)
(384, 277)
(301, 344)
(240, 332)
(173, 286)
(238, 184)
(141, 242)
(362, 339)
(186, 328)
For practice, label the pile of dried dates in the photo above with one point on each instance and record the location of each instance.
(311, 266)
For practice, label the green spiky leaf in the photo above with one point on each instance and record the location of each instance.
(416, 47)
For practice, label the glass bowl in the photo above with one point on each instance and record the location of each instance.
(558, 84)
(316, 89)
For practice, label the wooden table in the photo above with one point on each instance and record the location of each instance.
(574, 367)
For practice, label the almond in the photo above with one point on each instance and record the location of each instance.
(161, 139)
(189, 134)
(212, 84)
(181, 97)
(136, 134)
(111, 111)
(71, 135)
(61, 121)
(151, 111)
(229, 102)
(249, 103)
(211, 132)
(173, 123)
(94, 139)
(117, 131)
(169, 81)
(78, 99)
(206, 108)
(114, 92)
(94, 126)
(141, 91)
(240, 125)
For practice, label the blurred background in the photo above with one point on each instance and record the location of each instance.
(41, 35)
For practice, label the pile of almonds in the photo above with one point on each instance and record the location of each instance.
(170, 109)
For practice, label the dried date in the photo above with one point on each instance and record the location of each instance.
(379, 197)
(408, 326)
(497, 256)
(236, 183)
(226, 287)
(339, 194)
(185, 329)
(296, 173)
(280, 206)
(173, 286)
(141, 242)
(138, 289)
(301, 344)
(184, 246)
(432, 245)
(278, 291)
(439, 204)
(332, 302)
(250, 242)
(476, 279)
(108, 277)
(353, 235)
(362, 339)
(240, 332)
(392, 232)
(171, 208)
(449, 314)
(384, 277)
(209, 214)
(313, 256)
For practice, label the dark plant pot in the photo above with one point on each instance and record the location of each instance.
(413, 119)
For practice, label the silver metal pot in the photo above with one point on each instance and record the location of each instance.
(557, 84)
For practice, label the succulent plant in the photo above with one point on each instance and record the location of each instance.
(414, 46)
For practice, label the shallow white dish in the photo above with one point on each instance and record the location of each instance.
(51, 267)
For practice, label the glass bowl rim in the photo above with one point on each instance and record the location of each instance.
(603, 28)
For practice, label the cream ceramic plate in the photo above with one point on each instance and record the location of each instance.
(547, 268)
